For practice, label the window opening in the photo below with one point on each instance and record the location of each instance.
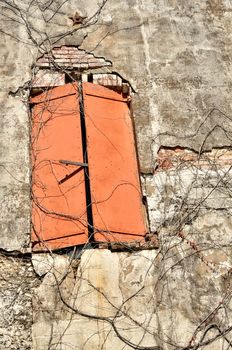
(103, 176)
(85, 177)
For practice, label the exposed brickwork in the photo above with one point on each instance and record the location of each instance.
(169, 158)
(66, 57)
(110, 80)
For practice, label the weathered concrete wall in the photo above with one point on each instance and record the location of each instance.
(128, 300)
(176, 55)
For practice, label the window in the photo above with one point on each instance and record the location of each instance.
(85, 182)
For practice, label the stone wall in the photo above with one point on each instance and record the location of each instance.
(17, 282)
(176, 56)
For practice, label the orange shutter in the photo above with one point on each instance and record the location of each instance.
(58, 190)
(114, 182)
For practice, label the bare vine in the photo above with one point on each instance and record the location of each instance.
(187, 186)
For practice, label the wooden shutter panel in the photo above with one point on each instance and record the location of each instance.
(58, 190)
(118, 213)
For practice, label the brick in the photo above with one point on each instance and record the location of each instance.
(78, 60)
(64, 48)
(171, 158)
(44, 64)
(95, 65)
(84, 66)
(92, 60)
(69, 65)
(60, 52)
(73, 49)
(76, 65)
(63, 60)
(42, 60)
(64, 56)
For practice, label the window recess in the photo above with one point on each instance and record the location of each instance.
(85, 180)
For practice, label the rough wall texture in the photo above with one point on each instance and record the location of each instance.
(176, 55)
(127, 300)
(17, 280)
